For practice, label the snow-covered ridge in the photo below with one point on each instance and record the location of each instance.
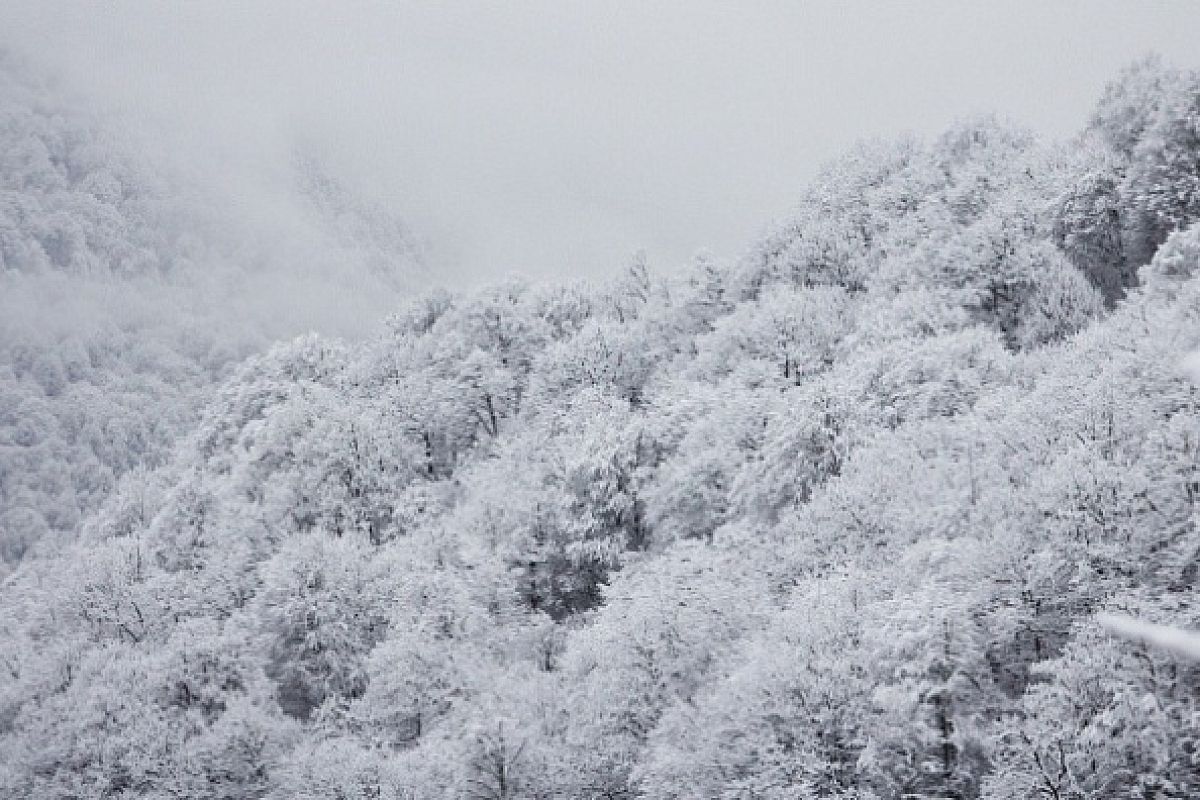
(834, 520)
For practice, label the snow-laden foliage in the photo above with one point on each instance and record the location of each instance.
(832, 521)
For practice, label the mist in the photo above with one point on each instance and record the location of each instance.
(557, 139)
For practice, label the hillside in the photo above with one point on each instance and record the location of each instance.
(127, 292)
(833, 520)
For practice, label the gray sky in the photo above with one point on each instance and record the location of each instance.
(558, 138)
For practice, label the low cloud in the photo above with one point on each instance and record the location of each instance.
(556, 139)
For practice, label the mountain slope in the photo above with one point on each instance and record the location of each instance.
(831, 521)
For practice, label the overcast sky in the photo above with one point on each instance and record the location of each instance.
(558, 138)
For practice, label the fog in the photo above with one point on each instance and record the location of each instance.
(557, 139)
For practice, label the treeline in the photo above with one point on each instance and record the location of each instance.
(831, 521)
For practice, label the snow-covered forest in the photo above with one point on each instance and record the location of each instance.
(835, 519)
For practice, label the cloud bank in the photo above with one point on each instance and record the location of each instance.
(559, 138)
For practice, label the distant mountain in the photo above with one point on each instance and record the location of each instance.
(124, 295)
